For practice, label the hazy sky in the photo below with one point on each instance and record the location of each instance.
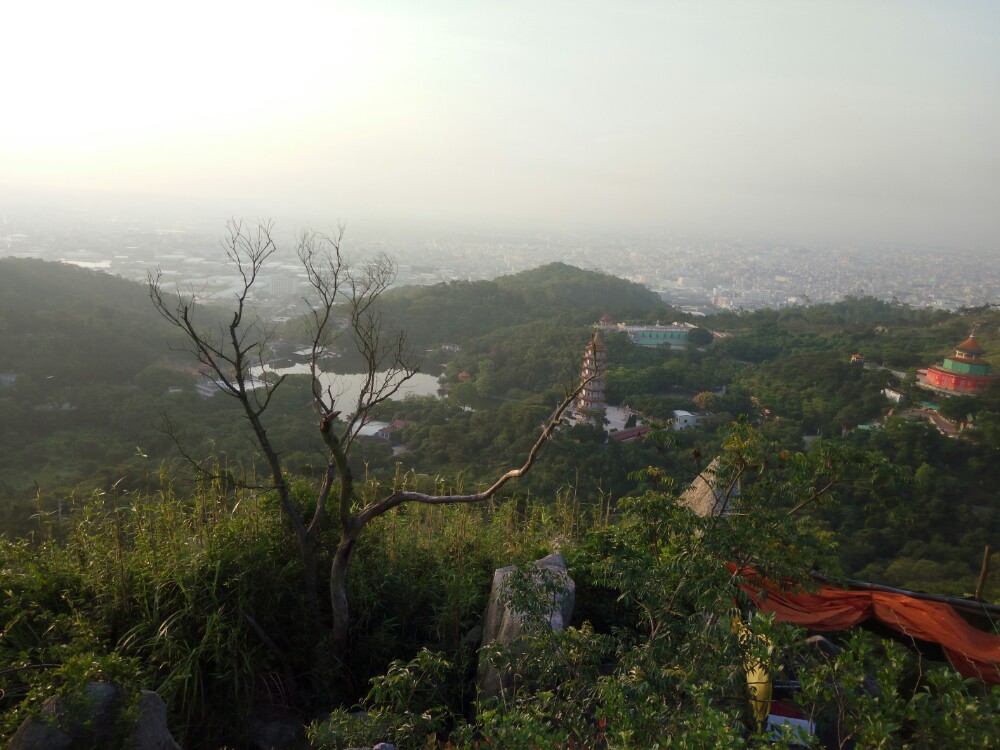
(795, 120)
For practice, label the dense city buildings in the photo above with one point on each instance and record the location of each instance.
(694, 274)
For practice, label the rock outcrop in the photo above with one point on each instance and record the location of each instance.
(93, 720)
(504, 624)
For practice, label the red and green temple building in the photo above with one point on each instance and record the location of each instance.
(964, 372)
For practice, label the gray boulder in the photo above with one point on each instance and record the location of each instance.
(92, 719)
(504, 624)
(276, 733)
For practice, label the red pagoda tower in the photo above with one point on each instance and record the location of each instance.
(964, 372)
(591, 399)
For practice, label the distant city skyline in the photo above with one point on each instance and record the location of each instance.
(811, 122)
(696, 274)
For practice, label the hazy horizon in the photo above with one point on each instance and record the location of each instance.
(791, 121)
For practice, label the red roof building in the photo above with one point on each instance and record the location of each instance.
(632, 433)
(964, 372)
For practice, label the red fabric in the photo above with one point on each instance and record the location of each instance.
(973, 652)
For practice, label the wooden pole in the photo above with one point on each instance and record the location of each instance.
(967, 605)
(983, 572)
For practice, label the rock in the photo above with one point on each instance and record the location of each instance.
(275, 734)
(504, 625)
(89, 720)
(704, 497)
(474, 636)
(150, 731)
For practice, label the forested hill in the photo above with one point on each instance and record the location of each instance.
(562, 285)
(89, 363)
(59, 321)
(461, 310)
(897, 335)
(80, 352)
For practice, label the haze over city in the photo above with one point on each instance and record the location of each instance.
(768, 121)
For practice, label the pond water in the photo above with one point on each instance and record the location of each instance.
(348, 385)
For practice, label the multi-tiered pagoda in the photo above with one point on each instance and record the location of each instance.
(965, 371)
(591, 400)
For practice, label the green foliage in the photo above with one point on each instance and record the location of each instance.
(159, 585)
(928, 534)
(700, 337)
(166, 594)
(462, 310)
(61, 325)
(880, 695)
(404, 706)
(823, 393)
(669, 666)
(77, 435)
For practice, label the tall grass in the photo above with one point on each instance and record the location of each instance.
(200, 598)
(163, 583)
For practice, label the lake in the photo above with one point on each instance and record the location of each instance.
(348, 385)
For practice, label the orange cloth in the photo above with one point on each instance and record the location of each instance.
(973, 652)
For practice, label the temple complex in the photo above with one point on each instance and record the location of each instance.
(964, 372)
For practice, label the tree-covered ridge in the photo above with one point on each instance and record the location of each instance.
(458, 311)
(884, 332)
(560, 285)
(59, 321)
(74, 346)
(851, 312)
(86, 350)
(929, 533)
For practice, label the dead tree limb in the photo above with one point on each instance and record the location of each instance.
(343, 300)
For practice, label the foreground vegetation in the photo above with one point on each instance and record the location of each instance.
(201, 600)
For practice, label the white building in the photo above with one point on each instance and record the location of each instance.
(684, 419)
(208, 387)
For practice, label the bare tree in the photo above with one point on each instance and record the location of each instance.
(229, 354)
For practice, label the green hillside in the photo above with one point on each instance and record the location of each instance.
(91, 362)
(61, 321)
(462, 310)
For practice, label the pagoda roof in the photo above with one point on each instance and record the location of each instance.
(970, 346)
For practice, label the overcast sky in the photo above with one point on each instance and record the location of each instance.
(809, 121)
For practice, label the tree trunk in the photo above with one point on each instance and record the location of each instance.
(338, 590)
(307, 547)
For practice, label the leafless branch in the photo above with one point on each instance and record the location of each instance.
(375, 509)
(237, 349)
